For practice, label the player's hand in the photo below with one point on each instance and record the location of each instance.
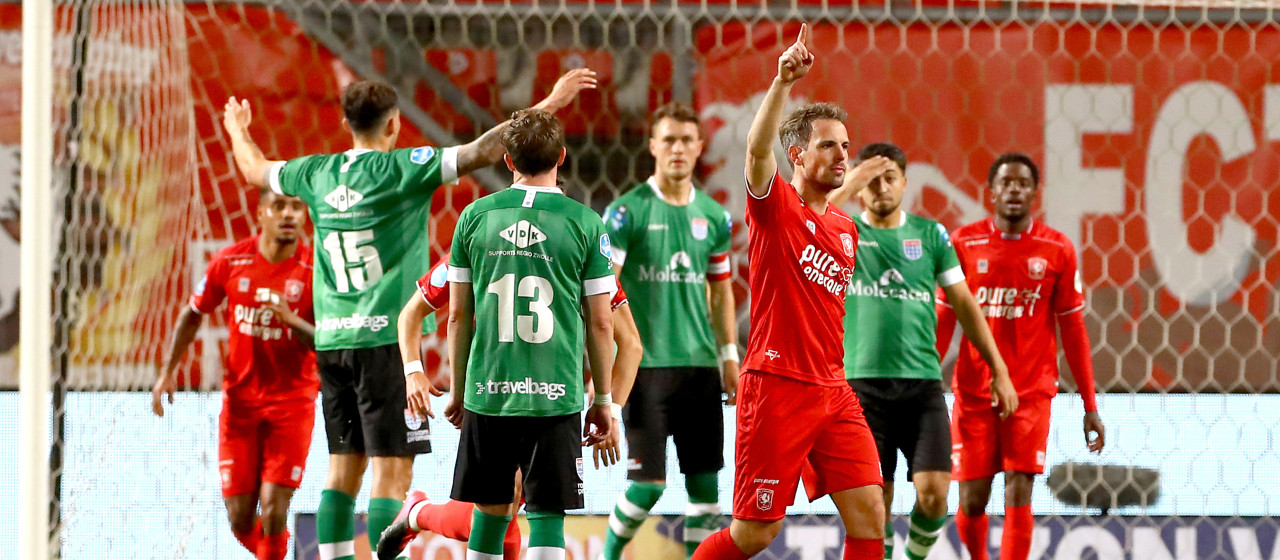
(453, 411)
(1095, 434)
(418, 391)
(236, 115)
(1003, 395)
(165, 384)
(796, 61)
(729, 379)
(598, 426)
(609, 451)
(858, 177)
(276, 303)
(567, 89)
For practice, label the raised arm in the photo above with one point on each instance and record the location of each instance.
(794, 63)
(253, 165)
(487, 149)
(859, 177)
(188, 324)
(969, 313)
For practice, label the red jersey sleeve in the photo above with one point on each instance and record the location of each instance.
(762, 210)
(1068, 289)
(212, 288)
(434, 285)
(619, 297)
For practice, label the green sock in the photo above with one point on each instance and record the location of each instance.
(546, 534)
(382, 511)
(487, 532)
(336, 526)
(888, 537)
(923, 533)
(633, 507)
(702, 516)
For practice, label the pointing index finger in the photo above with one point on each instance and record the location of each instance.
(804, 34)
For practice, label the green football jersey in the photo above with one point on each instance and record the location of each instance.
(370, 211)
(530, 254)
(891, 322)
(667, 254)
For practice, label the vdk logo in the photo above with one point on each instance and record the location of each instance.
(523, 234)
(343, 198)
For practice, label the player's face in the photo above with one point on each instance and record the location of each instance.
(883, 194)
(282, 217)
(676, 147)
(823, 160)
(1014, 191)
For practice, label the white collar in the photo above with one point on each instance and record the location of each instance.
(358, 151)
(902, 220)
(693, 192)
(535, 188)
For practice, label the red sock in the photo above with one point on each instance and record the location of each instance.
(450, 519)
(274, 547)
(511, 543)
(863, 549)
(1015, 544)
(251, 539)
(973, 533)
(719, 546)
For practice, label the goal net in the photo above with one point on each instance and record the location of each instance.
(1154, 123)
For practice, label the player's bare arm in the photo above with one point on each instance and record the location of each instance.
(461, 330)
(858, 178)
(236, 117)
(487, 149)
(625, 366)
(418, 389)
(794, 63)
(188, 324)
(967, 311)
(305, 331)
(599, 337)
(724, 323)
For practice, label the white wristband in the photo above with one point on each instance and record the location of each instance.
(729, 353)
(413, 367)
(603, 399)
(615, 409)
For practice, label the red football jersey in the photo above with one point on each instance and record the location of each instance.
(1023, 282)
(265, 361)
(801, 263)
(434, 287)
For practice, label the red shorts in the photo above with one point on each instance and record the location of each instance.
(983, 445)
(785, 428)
(263, 443)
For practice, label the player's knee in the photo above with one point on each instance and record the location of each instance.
(274, 518)
(1017, 489)
(932, 502)
(973, 503)
(867, 519)
(241, 518)
(752, 537)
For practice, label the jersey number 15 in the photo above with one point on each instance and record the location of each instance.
(356, 266)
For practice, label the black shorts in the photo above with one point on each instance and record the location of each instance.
(547, 450)
(364, 404)
(681, 402)
(908, 415)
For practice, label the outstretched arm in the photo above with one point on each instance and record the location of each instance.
(253, 165)
(487, 149)
(794, 63)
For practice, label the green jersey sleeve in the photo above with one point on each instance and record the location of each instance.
(618, 222)
(597, 273)
(427, 166)
(459, 254)
(290, 178)
(946, 265)
(724, 235)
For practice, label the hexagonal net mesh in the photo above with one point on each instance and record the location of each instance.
(1154, 125)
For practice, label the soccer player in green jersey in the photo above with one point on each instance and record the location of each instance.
(891, 360)
(529, 280)
(670, 248)
(369, 206)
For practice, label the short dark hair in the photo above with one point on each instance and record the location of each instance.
(798, 126)
(1013, 157)
(366, 105)
(534, 139)
(884, 149)
(678, 112)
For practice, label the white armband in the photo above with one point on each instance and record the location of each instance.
(729, 353)
(413, 367)
(603, 399)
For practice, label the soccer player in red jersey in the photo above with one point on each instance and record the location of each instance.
(795, 411)
(269, 388)
(1025, 276)
(452, 519)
